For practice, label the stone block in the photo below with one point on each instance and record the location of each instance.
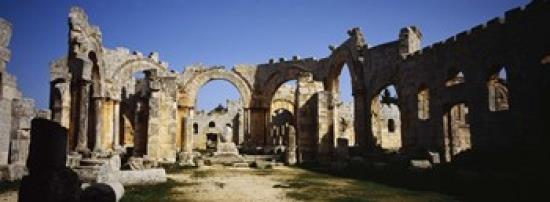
(98, 192)
(48, 150)
(60, 185)
(143, 177)
(420, 164)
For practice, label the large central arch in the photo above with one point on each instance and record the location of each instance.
(191, 88)
(131, 66)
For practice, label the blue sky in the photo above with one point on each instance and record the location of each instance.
(227, 32)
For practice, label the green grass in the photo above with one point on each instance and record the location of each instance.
(299, 184)
(158, 192)
(6, 186)
(312, 186)
(202, 173)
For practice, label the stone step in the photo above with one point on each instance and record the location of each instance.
(251, 158)
(92, 162)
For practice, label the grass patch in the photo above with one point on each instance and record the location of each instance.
(202, 173)
(313, 186)
(6, 186)
(158, 192)
(263, 172)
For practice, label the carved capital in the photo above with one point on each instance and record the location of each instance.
(5, 32)
(5, 54)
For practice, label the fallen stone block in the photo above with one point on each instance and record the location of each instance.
(420, 164)
(98, 192)
(142, 177)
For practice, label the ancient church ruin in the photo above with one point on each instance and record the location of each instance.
(483, 90)
(16, 113)
(477, 90)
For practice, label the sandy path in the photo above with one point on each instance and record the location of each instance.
(10, 196)
(229, 184)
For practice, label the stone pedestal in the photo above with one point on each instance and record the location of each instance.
(224, 148)
(290, 157)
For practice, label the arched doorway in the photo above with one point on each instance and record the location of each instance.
(456, 130)
(214, 111)
(343, 102)
(386, 119)
(281, 117)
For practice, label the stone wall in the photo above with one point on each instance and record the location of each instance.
(499, 113)
(214, 122)
(16, 113)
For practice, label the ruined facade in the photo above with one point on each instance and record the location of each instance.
(448, 99)
(208, 127)
(16, 113)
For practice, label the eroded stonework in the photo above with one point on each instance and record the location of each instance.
(95, 94)
(16, 113)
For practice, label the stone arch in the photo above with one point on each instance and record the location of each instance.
(497, 90)
(423, 102)
(456, 77)
(121, 76)
(278, 78)
(386, 118)
(131, 66)
(191, 88)
(340, 58)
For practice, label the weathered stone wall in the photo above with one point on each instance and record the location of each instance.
(516, 42)
(161, 134)
(307, 122)
(219, 117)
(16, 113)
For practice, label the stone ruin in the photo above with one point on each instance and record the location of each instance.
(450, 98)
(16, 113)
(481, 93)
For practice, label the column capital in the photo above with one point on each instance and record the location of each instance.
(5, 54)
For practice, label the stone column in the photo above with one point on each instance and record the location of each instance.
(363, 136)
(186, 155)
(83, 117)
(291, 150)
(62, 114)
(5, 100)
(98, 128)
(116, 126)
(246, 126)
(188, 136)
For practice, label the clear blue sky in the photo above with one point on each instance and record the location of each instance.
(227, 32)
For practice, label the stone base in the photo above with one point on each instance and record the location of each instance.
(13, 172)
(290, 157)
(226, 148)
(225, 159)
(142, 177)
(186, 159)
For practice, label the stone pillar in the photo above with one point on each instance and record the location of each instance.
(82, 145)
(291, 150)
(98, 128)
(188, 134)
(360, 113)
(62, 104)
(305, 117)
(5, 37)
(324, 136)
(116, 126)
(258, 129)
(186, 154)
(246, 125)
(5, 100)
(140, 129)
(22, 113)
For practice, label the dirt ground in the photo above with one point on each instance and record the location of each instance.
(278, 184)
(9, 196)
(219, 183)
